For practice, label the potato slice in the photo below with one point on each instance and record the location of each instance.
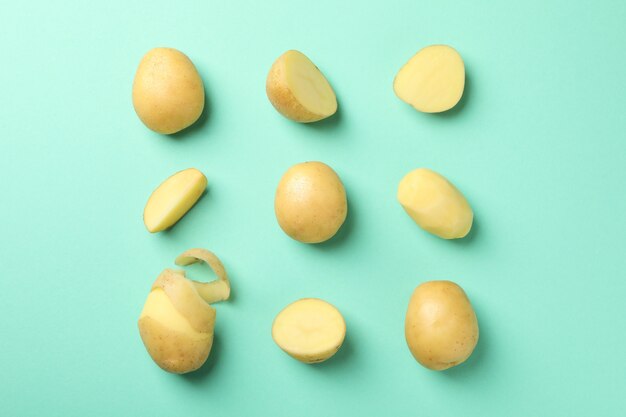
(298, 89)
(433, 80)
(435, 204)
(173, 198)
(310, 330)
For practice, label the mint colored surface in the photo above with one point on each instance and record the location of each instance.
(537, 146)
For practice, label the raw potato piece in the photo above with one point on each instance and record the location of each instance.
(310, 202)
(173, 198)
(435, 204)
(168, 93)
(298, 90)
(177, 323)
(310, 330)
(433, 80)
(441, 328)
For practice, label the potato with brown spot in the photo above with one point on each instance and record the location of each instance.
(441, 328)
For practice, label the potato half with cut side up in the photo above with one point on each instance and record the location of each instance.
(433, 80)
(310, 330)
(177, 323)
(299, 90)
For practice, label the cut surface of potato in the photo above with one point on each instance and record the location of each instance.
(299, 90)
(433, 80)
(173, 198)
(310, 330)
(435, 204)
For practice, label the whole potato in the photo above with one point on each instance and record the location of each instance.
(168, 94)
(310, 202)
(441, 328)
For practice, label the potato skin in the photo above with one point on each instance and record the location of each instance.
(310, 202)
(168, 93)
(441, 328)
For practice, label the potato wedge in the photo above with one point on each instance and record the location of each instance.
(298, 89)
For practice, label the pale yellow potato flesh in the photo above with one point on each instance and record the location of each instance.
(177, 324)
(310, 202)
(441, 327)
(310, 330)
(433, 80)
(435, 204)
(299, 90)
(168, 93)
(172, 199)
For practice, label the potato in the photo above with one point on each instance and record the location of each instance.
(168, 93)
(310, 202)
(298, 90)
(441, 328)
(176, 324)
(310, 330)
(173, 199)
(433, 80)
(435, 204)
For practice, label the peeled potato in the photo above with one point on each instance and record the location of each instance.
(173, 198)
(441, 328)
(310, 330)
(177, 323)
(168, 93)
(310, 202)
(435, 204)
(433, 80)
(298, 89)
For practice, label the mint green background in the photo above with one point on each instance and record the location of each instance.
(537, 146)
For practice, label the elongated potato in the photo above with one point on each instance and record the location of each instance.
(310, 202)
(433, 80)
(298, 89)
(435, 204)
(310, 330)
(172, 199)
(168, 93)
(441, 328)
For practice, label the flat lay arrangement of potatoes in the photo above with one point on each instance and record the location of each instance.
(177, 322)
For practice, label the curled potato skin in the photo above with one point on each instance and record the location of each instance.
(441, 327)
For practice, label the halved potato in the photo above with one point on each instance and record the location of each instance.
(433, 80)
(310, 330)
(298, 89)
(173, 198)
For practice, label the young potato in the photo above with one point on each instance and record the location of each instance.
(433, 80)
(298, 90)
(173, 199)
(435, 204)
(310, 202)
(310, 330)
(176, 324)
(441, 328)
(168, 94)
